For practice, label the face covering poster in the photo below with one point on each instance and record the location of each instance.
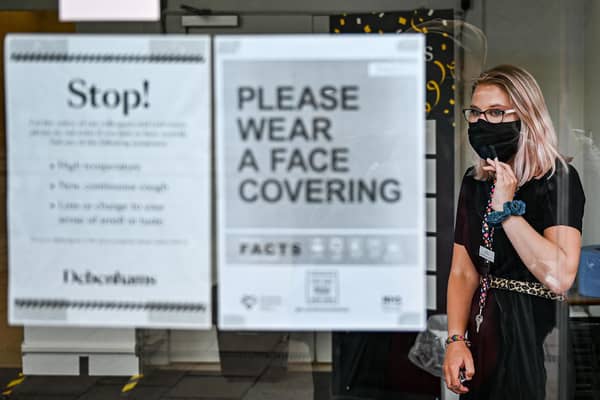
(109, 180)
(320, 152)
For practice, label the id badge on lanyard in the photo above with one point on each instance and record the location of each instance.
(486, 254)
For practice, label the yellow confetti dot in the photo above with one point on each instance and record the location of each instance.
(453, 124)
(446, 111)
(443, 46)
(444, 34)
(420, 19)
(342, 21)
(453, 87)
(451, 101)
(367, 28)
(336, 30)
(402, 21)
(425, 30)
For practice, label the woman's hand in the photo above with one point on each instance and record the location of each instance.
(458, 356)
(506, 183)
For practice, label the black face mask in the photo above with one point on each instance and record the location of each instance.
(495, 140)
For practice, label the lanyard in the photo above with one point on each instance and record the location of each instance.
(486, 252)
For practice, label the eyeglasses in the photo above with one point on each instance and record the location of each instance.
(492, 115)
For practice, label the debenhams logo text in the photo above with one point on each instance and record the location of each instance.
(116, 279)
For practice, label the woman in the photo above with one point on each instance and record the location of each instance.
(517, 242)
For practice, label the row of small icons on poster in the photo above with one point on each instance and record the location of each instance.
(356, 247)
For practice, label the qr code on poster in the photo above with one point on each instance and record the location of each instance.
(322, 287)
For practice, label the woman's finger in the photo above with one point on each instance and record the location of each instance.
(455, 383)
(511, 173)
(508, 173)
(462, 390)
(506, 168)
(469, 368)
(499, 171)
(447, 377)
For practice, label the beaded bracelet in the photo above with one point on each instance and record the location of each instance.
(515, 207)
(457, 338)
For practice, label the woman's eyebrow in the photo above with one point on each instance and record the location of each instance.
(491, 106)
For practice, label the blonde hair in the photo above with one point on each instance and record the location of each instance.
(538, 149)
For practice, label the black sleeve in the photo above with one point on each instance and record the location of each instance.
(460, 227)
(564, 199)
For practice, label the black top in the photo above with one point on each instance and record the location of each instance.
(508, 350)
(556, 199)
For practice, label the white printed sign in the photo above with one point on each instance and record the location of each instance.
(109, 10)
(320, 148)
(109, 180)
